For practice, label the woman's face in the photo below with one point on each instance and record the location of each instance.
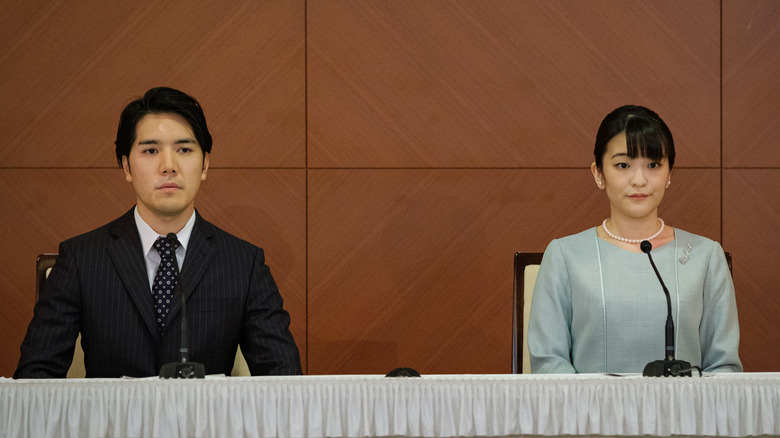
(634, 186)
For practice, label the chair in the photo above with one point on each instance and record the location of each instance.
(44, 263)
(728, 260)
(526, 268)
(240, 367)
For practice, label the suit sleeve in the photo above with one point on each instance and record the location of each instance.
(47, 349)
(267, 344)
(549, 326)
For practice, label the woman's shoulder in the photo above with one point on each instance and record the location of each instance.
(575, 242)
(684, 237)
(689, 243)
(585, 236)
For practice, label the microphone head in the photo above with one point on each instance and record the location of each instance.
(646, 246)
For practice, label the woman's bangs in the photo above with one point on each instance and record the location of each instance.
(644, 140)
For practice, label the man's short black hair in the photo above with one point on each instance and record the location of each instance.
(161, 100)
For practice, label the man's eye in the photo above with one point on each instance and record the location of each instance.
(150, 151)
(185, 150)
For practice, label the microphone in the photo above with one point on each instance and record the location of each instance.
(668, 366)
(183, 369)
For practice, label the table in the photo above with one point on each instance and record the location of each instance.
(370, 405)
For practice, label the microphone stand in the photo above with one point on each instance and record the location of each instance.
(183, 369)
(668, 366)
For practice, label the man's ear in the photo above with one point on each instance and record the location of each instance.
(205, 166)
(126, 167)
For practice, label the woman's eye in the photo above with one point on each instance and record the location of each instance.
(655, 165)
(622, 165)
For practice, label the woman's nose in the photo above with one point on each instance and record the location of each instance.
(638, 178)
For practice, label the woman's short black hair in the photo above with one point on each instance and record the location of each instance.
(161, 100)
(646, 134)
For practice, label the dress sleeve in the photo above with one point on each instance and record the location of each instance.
(549, 327)
(719, 328)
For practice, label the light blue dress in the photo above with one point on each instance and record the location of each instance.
(598, 308)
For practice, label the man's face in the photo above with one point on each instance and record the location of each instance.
(165, 165)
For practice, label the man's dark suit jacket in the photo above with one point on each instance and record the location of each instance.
(99, 286)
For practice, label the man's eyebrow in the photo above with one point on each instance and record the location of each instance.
(179, 141)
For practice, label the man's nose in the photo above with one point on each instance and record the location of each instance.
(167, 161)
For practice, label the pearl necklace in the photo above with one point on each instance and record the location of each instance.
(623, 239)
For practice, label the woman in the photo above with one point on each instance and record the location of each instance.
(598, 306)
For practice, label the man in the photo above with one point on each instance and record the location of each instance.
(116, 287)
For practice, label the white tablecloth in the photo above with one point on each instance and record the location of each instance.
(458, 405)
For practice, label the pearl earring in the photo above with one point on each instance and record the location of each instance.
(668, 183)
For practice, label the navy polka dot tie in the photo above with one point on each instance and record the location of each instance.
(165, 280)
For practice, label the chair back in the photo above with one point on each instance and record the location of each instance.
(43, 266)
(526, 268)
(44, 263)
(728, 260)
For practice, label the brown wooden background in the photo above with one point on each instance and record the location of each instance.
(391, 156)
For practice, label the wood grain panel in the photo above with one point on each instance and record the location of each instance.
(751, 218)
(751, 94)
(693, 202)
(500, 83)
(43, 207)
(408, 267)
(414, 267)
(69, 68)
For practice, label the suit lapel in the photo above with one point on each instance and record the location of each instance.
(200, 253)
(127, 255)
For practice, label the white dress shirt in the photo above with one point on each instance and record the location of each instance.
(149, 236)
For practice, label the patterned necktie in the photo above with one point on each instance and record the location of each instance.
(165, 280)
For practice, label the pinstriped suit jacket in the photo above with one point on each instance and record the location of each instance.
(99, 287)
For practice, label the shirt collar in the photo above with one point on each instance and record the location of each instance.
(149, 236)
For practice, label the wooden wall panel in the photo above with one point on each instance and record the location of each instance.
(751, 199)
(265, 207)
(751, 94)
(414, 267)
(503, 83)
(693, 201)
(69, 68)
(390, 157)
(751, 218)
